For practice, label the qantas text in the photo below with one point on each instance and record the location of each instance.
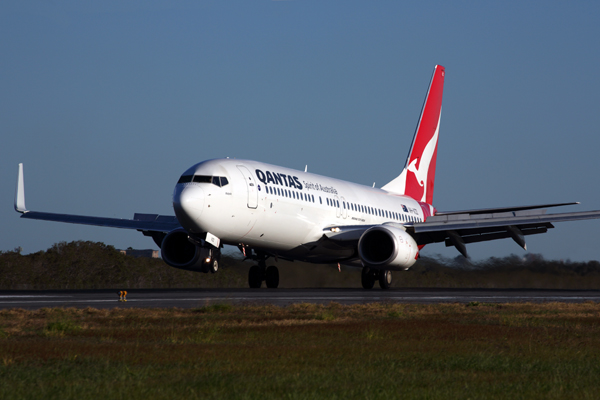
(290, 181)
(278, 179)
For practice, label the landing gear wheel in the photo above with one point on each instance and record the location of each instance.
(385, 279)
(213, 266)
(255, 277)
(367, 278)
(272, 277)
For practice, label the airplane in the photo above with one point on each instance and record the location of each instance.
(273, 212)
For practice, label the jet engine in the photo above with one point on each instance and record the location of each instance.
(388, 248)
(179, 252)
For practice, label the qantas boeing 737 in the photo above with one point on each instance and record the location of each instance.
(272, 212)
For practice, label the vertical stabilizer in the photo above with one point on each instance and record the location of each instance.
(418, 176)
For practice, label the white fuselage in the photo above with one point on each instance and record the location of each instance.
(280, 210)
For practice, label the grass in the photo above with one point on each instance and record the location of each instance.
(374, 351)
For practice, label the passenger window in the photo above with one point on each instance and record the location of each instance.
(320, 200)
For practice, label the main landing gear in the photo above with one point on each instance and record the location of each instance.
(259, 273)
(370, 275)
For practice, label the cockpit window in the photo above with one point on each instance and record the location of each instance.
(215, 180)
(202, 179)
(185, 178)
(219, 181)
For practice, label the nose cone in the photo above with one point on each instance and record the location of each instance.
(188, 202)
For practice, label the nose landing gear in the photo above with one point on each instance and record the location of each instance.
(211, 261)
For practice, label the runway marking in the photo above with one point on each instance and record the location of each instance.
(321, 298)
(18, 296)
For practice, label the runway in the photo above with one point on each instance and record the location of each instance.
(192, 298)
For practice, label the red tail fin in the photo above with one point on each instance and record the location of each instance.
(418, 176)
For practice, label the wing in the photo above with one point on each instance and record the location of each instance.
(142, 222)
(459, 229)
(462, 227)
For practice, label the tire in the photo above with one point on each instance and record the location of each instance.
(367, 279)
(254, 277)
(213, 266)
(385, 279)
(272, 277)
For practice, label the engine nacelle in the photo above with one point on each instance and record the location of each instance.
(177, 251)
(387, 247)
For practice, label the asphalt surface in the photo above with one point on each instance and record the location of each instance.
(191, 298)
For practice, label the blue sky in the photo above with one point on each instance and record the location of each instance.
(107, 103)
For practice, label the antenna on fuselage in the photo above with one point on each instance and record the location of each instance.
(306, 168)
(373, 184)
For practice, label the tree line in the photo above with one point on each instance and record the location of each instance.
(92, 265)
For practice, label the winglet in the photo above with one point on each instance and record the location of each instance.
(20, 193)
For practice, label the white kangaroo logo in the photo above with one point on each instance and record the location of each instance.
(422, 172)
